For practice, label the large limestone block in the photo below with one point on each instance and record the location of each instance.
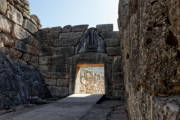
(105, 27)
(66, 51)
(7, 40)
(111, 35)
(14, 15)
(70, 35)
(32, 50)
(26, 57)
(112, 42)
(5, 25)
(58, 60)
(117, 78)
(3, 6)
(50, 82)
(19, 32)
(62, 82)
(44, 60)
(46, 51)
(117, 65)
(67, 28)
(4, 50)
(68, 39)
(58, 91)
(62, 68)
(15, 54)
(43, 67)
(28, 25)
(113, 51)
(20, 45)
(79, 28)
(34, 60)
(36, 21)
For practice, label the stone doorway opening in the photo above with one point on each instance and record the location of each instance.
(90, 79)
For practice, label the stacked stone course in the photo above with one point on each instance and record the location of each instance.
(149, 31)
(57, 51)
(17, 28)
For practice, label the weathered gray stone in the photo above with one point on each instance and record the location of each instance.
(117, 65)
(66, 51)
(68, 39)
(7, 40)
(79, 28)
(62, 68)
(58, 92)
(56, 29)
(31, 27)
(62, 82)
(20, 45)
(5, 25)
(29, 40)
(26, 57)
(44, 60)
(34, 60)
(67, 28)
(36, 21)
(44, 67)
(19, 32)
(113, 51)
(19, 84)
(112, 42)
(15, 54)
(32, 50)
(14, 15)
(149, 41)
(5, 50)
(111, 35)
(26, 15)
(3, 6)
(117, 78)
(105, 27)
(57, 60)
(50, 82)
(46, 51)
(166, 107)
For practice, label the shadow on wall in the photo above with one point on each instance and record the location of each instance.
(20, 84)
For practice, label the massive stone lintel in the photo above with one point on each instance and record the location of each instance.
(91, 41)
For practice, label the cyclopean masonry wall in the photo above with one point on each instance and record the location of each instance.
(149, 31)
(59, 58)
(20, 81)
(16, 31)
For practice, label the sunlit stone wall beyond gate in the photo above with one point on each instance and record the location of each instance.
(89, 82)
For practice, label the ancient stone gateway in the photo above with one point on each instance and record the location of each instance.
(90, 59)
(146, 46)
(62, 49)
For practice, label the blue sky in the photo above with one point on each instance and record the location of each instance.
(75, 12)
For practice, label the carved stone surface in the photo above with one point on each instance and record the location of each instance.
(91, 41)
